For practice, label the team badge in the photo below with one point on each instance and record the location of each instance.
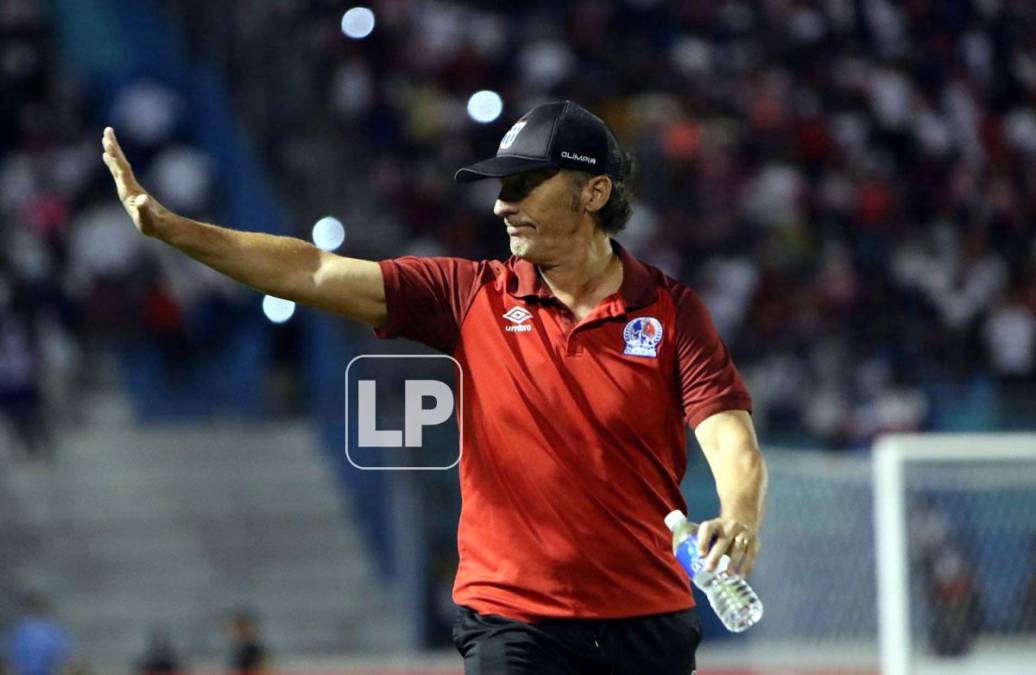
(642, 336)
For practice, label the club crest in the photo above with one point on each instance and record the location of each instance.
(642, 336)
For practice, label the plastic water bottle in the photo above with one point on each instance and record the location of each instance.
(733, 600)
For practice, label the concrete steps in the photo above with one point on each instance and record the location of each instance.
(176, 527)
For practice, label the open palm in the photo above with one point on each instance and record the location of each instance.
(140, 205)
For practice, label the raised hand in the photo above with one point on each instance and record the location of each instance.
(141, 206)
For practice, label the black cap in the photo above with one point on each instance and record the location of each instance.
(561, 135)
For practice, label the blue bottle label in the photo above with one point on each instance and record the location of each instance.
(687, 554)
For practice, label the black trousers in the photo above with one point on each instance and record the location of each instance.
(659, 644)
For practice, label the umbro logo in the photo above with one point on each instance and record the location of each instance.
(518, 316)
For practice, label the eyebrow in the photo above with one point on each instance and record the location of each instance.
(524, 183)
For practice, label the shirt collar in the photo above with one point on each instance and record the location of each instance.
(639, 286)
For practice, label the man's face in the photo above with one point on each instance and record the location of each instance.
(541, 212)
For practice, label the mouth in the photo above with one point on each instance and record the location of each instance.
(516, 228)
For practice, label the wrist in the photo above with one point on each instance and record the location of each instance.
(750, 522)
(167, 226)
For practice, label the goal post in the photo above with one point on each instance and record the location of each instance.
(908, 465)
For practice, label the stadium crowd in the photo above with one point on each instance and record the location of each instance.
(72, 277)
(849, 184)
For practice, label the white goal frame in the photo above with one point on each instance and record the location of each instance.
(891, 453)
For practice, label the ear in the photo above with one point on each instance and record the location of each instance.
(596, 193)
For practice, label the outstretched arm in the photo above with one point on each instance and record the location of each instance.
(732, 451)
(284, 267)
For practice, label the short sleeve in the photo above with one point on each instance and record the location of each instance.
(707, 380)
(427, 298)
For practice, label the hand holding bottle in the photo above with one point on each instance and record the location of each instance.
(733, 600)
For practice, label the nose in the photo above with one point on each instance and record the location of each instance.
(504, 208)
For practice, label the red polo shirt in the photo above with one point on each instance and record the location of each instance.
(573, 447)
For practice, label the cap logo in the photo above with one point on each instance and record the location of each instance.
(579, 158)
(512, 134)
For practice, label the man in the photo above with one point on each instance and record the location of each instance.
(36, 644)
(247, 653)
(581, 365)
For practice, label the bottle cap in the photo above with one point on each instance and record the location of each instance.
(674, 520)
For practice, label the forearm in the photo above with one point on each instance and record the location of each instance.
(729, 442)
(268, 263)
(741, 479)
(284, 267)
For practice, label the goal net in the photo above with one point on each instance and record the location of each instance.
(815, 575)
(955, 535)
(919, 558)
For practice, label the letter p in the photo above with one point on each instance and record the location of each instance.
(417, 416)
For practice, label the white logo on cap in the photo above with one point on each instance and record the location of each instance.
(579, 158)
(512, 134)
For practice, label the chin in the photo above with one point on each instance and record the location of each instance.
(528, 250)
(520, 247)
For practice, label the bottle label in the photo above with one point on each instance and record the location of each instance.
(687, 554)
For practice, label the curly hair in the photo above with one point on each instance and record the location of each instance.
(616, 212)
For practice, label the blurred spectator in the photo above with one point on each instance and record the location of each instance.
(21, 401)
(147, 113)
(895, 404)
(248, 655)
(36, 644)
(1027, 598)
(1009, 334)
(182, 180)
(951, 586)
(948, 576)
(159, 657)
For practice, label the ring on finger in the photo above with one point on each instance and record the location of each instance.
(741, 541)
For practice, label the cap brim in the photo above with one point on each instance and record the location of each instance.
(498, 167)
